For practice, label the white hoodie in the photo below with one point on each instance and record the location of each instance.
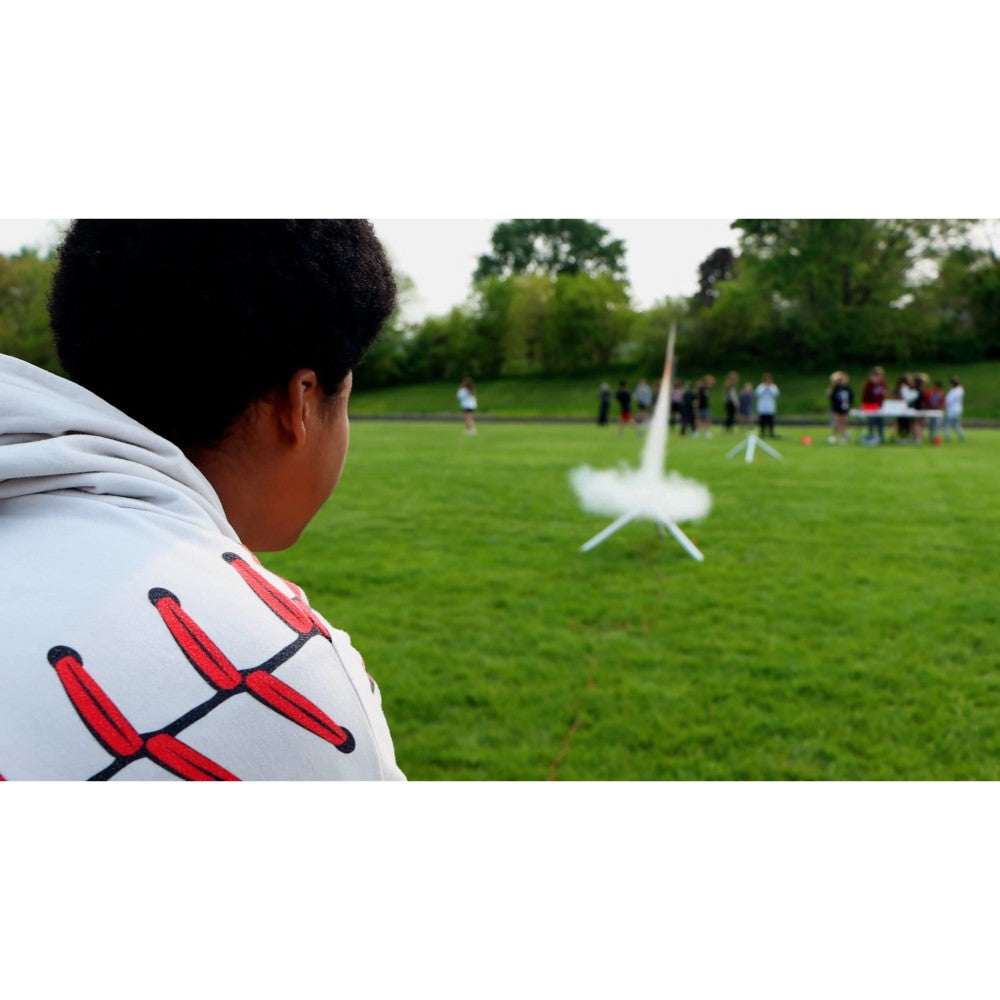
(140, 638)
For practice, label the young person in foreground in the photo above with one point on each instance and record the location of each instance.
(207, 419)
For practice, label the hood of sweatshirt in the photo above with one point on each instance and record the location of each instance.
(57, 437)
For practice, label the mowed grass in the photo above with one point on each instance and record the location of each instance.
(843, 625)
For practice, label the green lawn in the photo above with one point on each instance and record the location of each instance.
(802, 395)
(842, 626)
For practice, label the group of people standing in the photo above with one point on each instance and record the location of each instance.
(918, 392)
(634, 407)
(691, 404)
(691, 412)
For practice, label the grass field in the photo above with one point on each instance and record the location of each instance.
(842, 626)
(802, 394)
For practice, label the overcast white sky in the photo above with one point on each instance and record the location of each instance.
(662, 256)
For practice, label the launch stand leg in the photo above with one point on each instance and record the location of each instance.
(607, 532)
(751, 442)
(686, 542)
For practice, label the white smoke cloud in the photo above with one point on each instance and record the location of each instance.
(646, 493)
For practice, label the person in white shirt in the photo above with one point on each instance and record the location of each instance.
(643, 399)
(767, 403)
(206, 420)
(467, 401)
(954, 403)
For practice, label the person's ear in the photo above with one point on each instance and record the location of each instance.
(299, 405)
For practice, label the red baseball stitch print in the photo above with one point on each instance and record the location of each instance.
(275, 693)
(99, 713)
(116, 734)
(295, 615)
(212, 664)
(316, 620)
(286, 609)
(108, 725)
(184, 760)
(202, 653)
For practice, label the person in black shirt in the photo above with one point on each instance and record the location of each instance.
(624, 398)
(703, 410)
(841, 400)
(688, 400)
(604, 404)
(732, 400)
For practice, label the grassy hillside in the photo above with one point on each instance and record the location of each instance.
(802, 395)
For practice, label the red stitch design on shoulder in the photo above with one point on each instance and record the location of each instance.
(201, 652)
(109, 726)
(213, 665)
(292, 614)
(185, 761)
(300, 596)
(99, 713)
(116, 734)
(294, 706)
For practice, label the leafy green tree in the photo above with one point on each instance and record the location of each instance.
(509, 316)
(489, 306)
(986, 301)
(25, 280)
(552, 247)
(742, 326)
(834, 290)
(719, 265)
(438, 347)
(587, 322)
(553, 293)
(388, 360)
(480, 354)
(649, 329)
(961, 307)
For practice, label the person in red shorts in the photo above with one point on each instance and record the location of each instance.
(873, 394)
(624, 398)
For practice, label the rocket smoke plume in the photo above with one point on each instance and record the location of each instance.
(649, 493)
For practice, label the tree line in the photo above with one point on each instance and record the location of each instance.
(552, 296)
(815, 293)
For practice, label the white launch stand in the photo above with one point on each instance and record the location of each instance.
(663, 522)
(654, 455)
(750, 442)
